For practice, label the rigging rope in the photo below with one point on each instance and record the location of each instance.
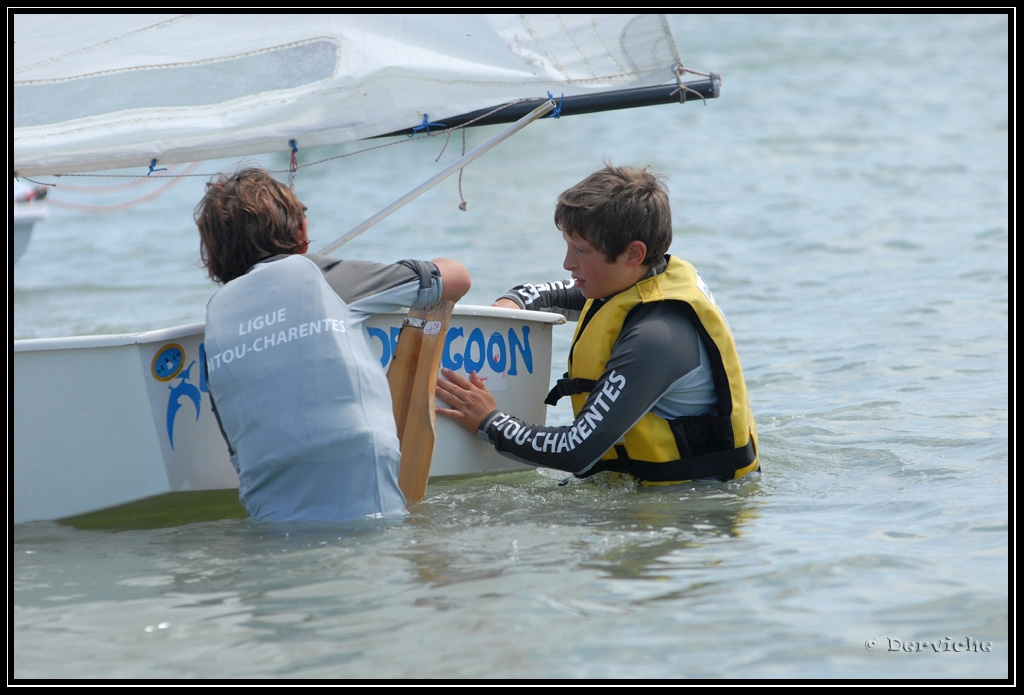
(292, 170)
(175, 179)
(400, 141)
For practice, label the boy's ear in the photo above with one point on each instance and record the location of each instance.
(302, 236)
(636, 252)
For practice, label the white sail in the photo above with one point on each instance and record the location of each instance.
(98, 91)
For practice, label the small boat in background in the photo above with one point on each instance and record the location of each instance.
(28, 208)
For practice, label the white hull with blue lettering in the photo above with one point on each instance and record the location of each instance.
(133, 419)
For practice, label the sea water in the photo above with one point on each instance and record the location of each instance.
(847, 199)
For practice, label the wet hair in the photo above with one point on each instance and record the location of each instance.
(244, 218)
(617, 205)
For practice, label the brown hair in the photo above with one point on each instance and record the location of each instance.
(617, 205)
(244, 218)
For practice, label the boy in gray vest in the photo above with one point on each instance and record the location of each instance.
(300, 396)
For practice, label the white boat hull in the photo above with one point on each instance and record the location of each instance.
(101, 421)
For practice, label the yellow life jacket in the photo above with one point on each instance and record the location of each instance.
(722, 446)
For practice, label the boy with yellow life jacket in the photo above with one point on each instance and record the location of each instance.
(656, 384)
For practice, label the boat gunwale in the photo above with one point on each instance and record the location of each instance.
(175, 332)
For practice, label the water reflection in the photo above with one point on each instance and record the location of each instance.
(524, 522)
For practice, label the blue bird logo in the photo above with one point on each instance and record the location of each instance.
(183, 388)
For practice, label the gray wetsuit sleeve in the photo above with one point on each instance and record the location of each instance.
(657, 346)
(563, 297)
(382, 287)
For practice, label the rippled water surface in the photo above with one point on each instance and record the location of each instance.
(847, 200)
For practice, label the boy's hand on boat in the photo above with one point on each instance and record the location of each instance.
(469, 401)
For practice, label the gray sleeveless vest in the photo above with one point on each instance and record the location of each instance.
(301, 397)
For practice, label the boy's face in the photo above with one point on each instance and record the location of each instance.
(595, 275)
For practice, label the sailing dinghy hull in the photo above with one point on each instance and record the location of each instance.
(103, 421)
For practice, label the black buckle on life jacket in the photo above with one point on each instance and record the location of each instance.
(720, 465)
